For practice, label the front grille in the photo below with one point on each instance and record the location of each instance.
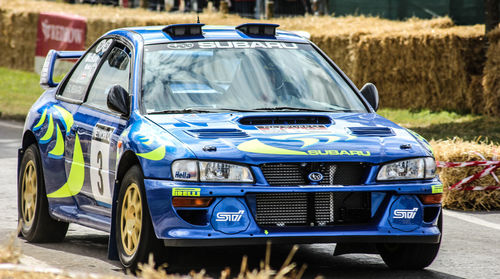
(311, 209)
(294, 174)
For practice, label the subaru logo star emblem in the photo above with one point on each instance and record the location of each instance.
(315, 177)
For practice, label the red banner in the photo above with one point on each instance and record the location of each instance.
(60, 32)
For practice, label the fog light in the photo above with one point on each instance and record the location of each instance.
(431, 199)
(191, 202)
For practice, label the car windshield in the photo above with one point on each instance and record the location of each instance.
(242, 76)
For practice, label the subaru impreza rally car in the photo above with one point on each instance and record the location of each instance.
(193, 135)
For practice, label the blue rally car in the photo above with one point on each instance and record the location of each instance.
(193, 135)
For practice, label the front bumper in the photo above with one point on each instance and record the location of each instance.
(396, 215)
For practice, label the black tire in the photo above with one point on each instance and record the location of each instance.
(410, 255)
(131, 254)
(36, 223)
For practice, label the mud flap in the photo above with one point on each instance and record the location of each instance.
(112, 249)
(20, 154)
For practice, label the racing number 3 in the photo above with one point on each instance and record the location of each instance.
(99, 163)
(100, 185)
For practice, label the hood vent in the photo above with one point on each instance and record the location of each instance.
(371, 131)
(285, 120)
(217, 133)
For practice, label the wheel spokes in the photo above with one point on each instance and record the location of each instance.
(29, 193)
(131, 219)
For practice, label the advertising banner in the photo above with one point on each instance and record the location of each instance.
(59, 32)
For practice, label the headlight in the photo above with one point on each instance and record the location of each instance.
(206, 171)
(418, 168)
(185, 170)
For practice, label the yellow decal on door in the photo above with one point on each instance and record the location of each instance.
(50, 130)
(58, 150)
(67, 118)
(41, 121)
(76, 175)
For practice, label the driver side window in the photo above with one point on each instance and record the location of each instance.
(79, 81)
(114, 71)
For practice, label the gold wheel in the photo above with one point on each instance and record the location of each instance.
(131, 219)
(29, 193)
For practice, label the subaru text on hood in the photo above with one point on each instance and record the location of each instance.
(193, 135)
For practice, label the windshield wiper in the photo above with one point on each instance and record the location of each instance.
(238, 109)
(186, 110)
(200, 110)
(292, 109)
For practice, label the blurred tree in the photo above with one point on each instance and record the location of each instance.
(491, 14)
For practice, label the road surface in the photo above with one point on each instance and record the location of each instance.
(469, 249)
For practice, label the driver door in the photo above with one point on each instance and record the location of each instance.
(99, 128)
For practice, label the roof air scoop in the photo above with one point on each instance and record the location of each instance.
(258, 29)
(190, 30)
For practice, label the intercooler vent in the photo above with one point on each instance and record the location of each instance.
(311, 209)
(371, 131)
(282, 209)
(217, 133)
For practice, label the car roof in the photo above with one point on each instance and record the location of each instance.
(155, 34)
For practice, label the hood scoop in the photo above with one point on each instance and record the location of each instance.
(371, 131)
(285, 120)
(217, 133)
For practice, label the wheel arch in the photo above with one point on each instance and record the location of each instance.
(127, 160)
(28, 139)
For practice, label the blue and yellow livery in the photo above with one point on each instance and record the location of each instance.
(193, 135)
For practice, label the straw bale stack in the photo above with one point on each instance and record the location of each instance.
(415, 63)
(457, 150)
(17, 38)
(491, 80)
(339, 37)
(422, 69)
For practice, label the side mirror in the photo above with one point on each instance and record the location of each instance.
(370, 92)
(118, 99)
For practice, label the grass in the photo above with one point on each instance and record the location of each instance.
(19, 90)
(12, 269)
(447, 125)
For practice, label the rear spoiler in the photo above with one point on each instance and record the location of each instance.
(46, 76)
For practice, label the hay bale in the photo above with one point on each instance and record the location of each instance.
(415, 63)
(491, 79)
(336, 36)
(475, 95)
(18, 40)
(422, 69)
(457, 150)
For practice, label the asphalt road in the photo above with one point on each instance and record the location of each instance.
(469, 249)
